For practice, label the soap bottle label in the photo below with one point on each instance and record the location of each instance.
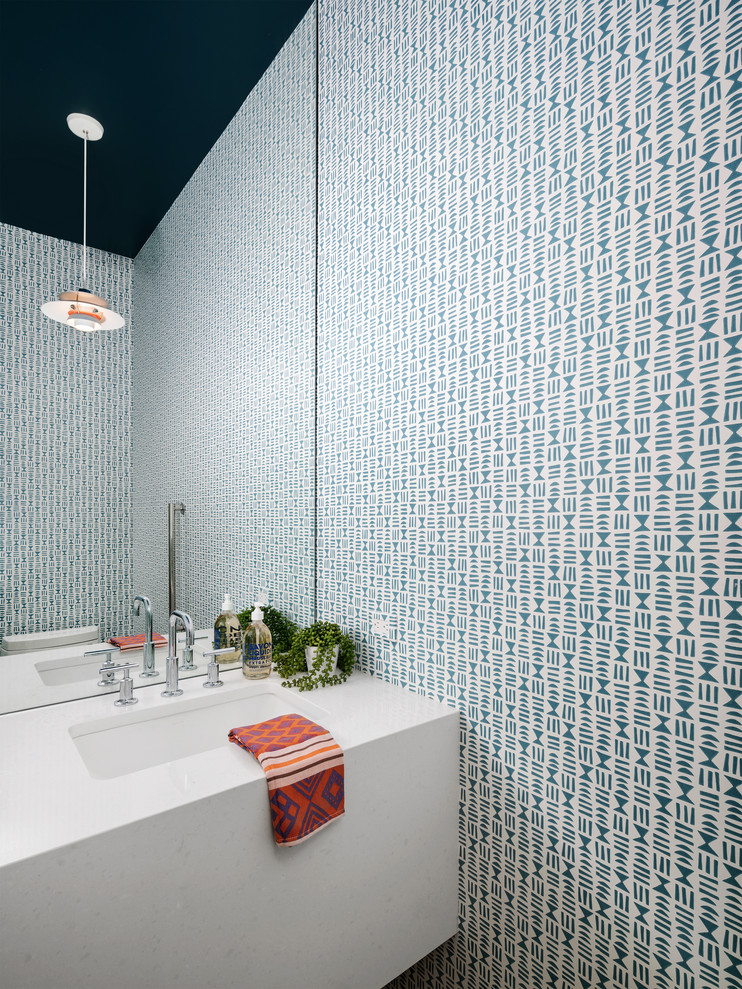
(224, 637)
(259, 656)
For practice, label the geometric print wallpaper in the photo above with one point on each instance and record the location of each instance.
(224, 330)
(530, 311)
(66, 507)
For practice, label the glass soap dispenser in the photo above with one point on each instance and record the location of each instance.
(257, 648)
(227, 632)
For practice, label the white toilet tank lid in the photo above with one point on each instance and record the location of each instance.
(31, 641)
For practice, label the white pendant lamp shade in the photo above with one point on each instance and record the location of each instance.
(81, 309)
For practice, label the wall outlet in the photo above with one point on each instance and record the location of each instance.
(380, 626)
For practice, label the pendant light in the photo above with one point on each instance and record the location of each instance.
(81, 309)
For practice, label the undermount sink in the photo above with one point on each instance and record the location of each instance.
(120, 745)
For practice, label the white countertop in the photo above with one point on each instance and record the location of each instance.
(22, 686)
(50, 799)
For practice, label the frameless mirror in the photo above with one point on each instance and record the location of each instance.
(205, 397)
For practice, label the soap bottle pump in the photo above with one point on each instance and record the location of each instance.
(257, 647)
(227, 632)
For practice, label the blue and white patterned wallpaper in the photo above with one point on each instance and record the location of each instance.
(224, 361)
(66, 555)
(529, 312)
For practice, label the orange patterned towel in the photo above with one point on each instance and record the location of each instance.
(126, 642)
(305, 771)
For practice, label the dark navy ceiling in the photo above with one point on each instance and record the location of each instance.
(164, 78)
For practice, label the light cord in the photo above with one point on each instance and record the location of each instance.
(85, 212)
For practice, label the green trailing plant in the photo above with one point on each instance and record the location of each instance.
(282, 628)
(325, 636)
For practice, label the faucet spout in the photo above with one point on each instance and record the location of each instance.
(171, 667)
(148, 651)
(187, 623)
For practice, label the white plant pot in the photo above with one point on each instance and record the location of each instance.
(310, 655)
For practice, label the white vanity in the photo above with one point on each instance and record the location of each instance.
(136, 847)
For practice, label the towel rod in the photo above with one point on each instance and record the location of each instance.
(172, 508)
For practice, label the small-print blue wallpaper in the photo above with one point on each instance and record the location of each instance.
(224, 361)
(66, 544)
(529, 318)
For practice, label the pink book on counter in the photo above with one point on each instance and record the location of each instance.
(126, 642)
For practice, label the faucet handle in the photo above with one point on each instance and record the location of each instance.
(126, 686)
(213, 667)
(106, 671)
(104, 649)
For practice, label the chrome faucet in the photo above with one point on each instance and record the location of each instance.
(148, 652)
(171, 663)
